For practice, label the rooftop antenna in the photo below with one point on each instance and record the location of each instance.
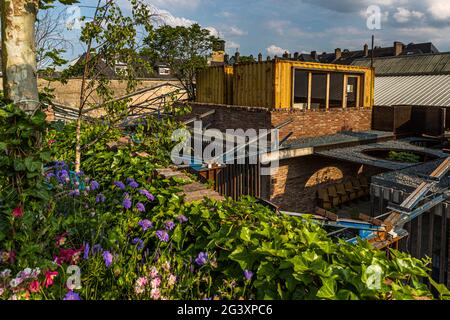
(372, 54)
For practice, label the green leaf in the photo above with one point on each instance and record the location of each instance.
(246, 234)
(3, 146)
(328, 289)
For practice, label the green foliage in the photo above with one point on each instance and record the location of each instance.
(184, 49)
(404, 157)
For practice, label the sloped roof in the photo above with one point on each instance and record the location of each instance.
(424, 90)
(422, 64)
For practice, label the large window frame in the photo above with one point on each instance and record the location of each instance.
(360, 87)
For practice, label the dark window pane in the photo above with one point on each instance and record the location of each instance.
(319, 91)
(301, 89)
(336, 90)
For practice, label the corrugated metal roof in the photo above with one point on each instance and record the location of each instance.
(409, 65)
(433, 90)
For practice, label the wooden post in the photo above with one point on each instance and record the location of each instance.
(419, 237)
(443, 253)
(309, 89)
(328, 91)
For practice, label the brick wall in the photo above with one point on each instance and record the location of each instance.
(306, 123)
(231, 117)
(313, 123)
(295, 185)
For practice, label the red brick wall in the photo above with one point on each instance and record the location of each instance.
(295, 185)
(231, 117)
(313, 123)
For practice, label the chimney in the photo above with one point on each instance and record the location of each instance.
(338, 53)
(398, 48)
(237, 57)
(314, 55)
(260, 57)
(366, 50)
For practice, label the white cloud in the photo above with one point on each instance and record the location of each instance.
(214, 32)
(404, 15)
(276, 51)
(279, 26)
(234, 31)
(231, 45)
(439, 9)
(191, 4)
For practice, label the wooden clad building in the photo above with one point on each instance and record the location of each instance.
(285, 84)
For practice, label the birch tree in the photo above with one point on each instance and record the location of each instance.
(19, 53)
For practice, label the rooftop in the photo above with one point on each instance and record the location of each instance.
(357, 154)
(404, 65)
(410, 178)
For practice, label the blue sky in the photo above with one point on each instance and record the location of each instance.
(273, 26)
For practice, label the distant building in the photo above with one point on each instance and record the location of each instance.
(345, 56)
(411, 79)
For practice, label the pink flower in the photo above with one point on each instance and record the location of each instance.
(61, 240)
(156, 282)
(17, 212)
(172, 280)
(155, 294)
(49, 276)
(153, 272)
(34, 286)
(51, 142)
(142, 282)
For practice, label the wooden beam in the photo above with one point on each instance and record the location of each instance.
(309, 89)
(328, 91)
(443, 253)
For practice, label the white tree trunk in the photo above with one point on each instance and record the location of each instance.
(19, 52)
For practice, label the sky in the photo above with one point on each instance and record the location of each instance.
(275, 26)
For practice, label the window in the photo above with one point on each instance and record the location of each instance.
(319, 91)
(336, 90)
(301, 89)
(345, 90)
(164, 71)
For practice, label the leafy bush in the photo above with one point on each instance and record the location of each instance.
(404, 157)
(133, 238)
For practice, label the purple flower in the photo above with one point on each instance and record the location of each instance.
(145, 224)
(50, 175)
(202, 258)
(140, 206)
(248, 275)
(94, 185)
(108, 257)
(139, 243)
(182, 219)
(133, 184)
(97, 248)
(120, 185)
(74, 193)
(72, 296)
(162, 235)
(149, 196)
(127, 202)
(100, 198)
(86, 251)
(170, 225)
